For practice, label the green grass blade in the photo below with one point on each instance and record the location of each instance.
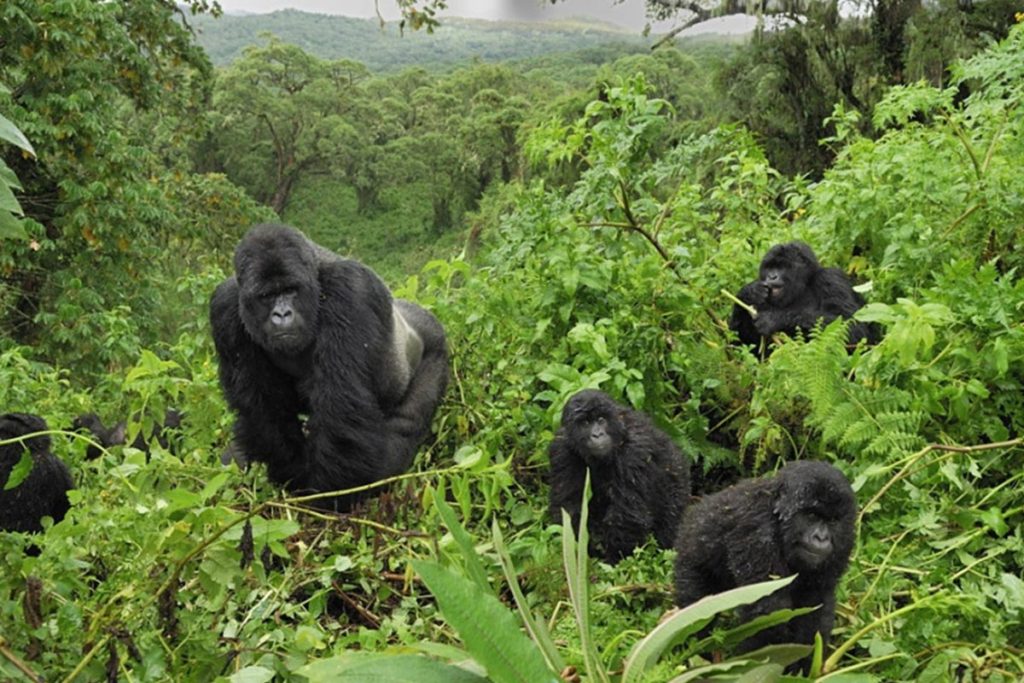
(474, 568)
(536, 628)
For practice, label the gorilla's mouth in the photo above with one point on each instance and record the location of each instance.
(289, 343)
(775, 291)
(812, 556)
(600, 447)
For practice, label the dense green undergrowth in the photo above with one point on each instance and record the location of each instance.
(181, 569)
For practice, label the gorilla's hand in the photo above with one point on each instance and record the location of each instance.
(754, 293)
(767, 323)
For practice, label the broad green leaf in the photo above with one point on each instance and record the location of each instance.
(252, 674)
(860, 677)
(734, 636)
(20, 471)
(688, 621)
(10, 133)
(708, 672)
(383, 668)
(487, 628)
(309, 638)
(765, 673)
(8, 177)
(11, 226)
(782, 654)
(8, 202)
(214, 485)
(1014, 589)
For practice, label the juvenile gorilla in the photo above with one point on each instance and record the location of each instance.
(118, 434)
(800, 521)
(299, 331)
(793, 292)
(44, 491)
(640, 482)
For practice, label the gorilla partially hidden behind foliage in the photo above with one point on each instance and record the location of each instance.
(44, 492)
(800, 521)
(300, 330)
(640, 482)
(118, 434)
(793, 292)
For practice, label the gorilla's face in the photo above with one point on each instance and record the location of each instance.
(279, 291)
(816, 510)
(812, 543)
(594, 427)
(786, 271)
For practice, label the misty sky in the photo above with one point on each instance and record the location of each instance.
(629, 14)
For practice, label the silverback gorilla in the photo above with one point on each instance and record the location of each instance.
(300, 330)
(44, 492)
(640, 482)
(793, 292)
(800, 521)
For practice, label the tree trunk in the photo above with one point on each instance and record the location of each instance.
(282, 193)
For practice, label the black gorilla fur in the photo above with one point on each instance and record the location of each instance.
(800, 521)
(45, 490)
(640, 482)
(793, 292)
(118, 434)
(300, 330)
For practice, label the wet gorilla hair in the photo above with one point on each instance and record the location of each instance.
(44, 491)
(792, 293)
(300, 330)
(640, 482)
(800, 521)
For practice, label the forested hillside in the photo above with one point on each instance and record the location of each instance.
(386, 48)
(584, 220)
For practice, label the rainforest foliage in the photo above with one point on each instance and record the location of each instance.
(572, 227)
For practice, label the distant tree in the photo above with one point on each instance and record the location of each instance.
(465, 137)
(281, 114)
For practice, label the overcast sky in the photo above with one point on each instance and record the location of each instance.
(629, 14)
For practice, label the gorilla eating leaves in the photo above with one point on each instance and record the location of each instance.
(640, 482)
(44, 492)
(300, 330)
(793, 292)
(800, 521)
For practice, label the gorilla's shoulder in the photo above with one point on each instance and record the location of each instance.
(353, 282)
(226, 291)
(224, 314)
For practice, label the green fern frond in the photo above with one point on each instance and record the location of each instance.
(888, 444)
(878, 420)
(838, 422)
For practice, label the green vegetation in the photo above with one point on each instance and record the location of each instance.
(386, 48)
(573, 233)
